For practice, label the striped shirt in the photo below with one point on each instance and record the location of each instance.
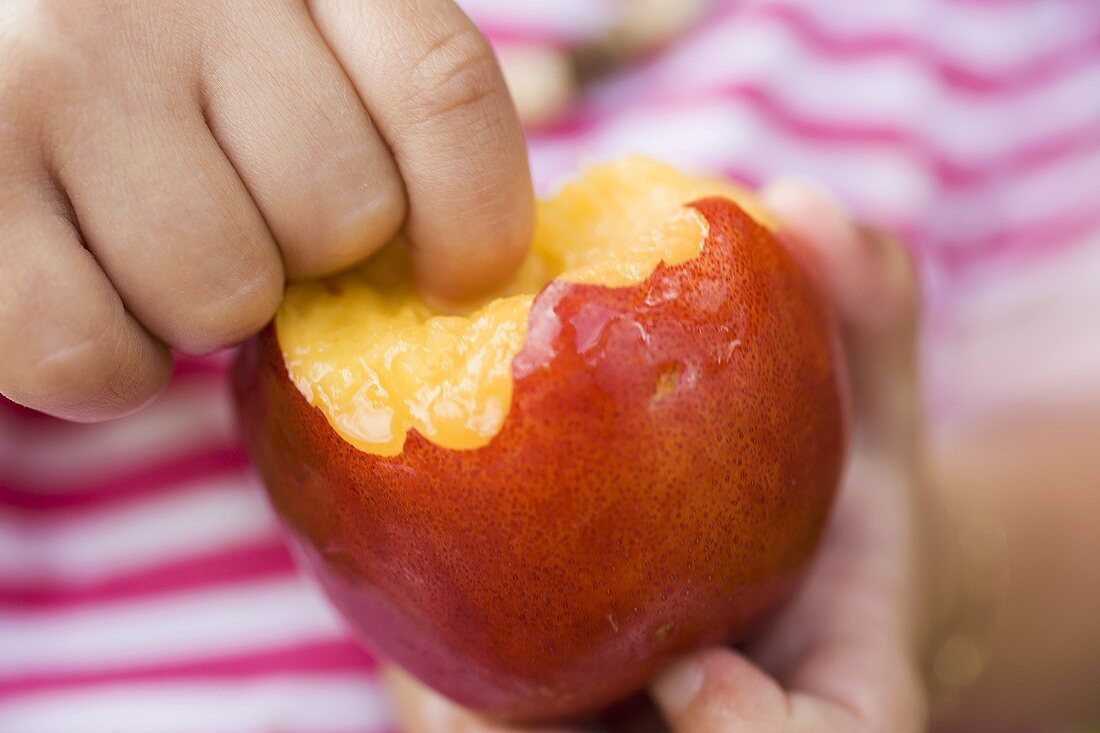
(144, 584)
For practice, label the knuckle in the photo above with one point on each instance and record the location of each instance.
(133, 378)
(227, 315)
(29, 52)
(353, 209)
(357, 230)
(458, 73)
(52, 55)
(81, 365)
(40, 35)
(85, 371)
(226, 277)
(385, 208)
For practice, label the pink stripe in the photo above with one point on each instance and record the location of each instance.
(1023, 242)
(826, 43)
(750, 179)
(821, 131)
(1028, 157)
(208, 366)
(526, 35)
(956, 256)
(13, 410)
(159, 476)
(324, 656)
(587, 119)
(832, 46)
(187, 370)
(259, 560)
(760, 98)
(823, 40)
(1048, 70)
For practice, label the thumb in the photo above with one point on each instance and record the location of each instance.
(718, 690)
(870, 279)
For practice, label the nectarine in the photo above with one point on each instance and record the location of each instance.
(534, 503)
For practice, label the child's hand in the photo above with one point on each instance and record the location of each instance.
(844, 656)
(164, 166)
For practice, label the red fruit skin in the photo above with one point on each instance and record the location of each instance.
(660, 483)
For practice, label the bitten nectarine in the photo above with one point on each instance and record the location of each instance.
(533, 504)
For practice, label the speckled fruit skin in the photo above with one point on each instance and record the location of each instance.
(660, 483)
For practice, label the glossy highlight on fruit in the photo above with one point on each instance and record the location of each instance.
(534, 503)
(379, 360)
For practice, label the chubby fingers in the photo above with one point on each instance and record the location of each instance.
(171, 224)
(396, 115)
(185, 162)
(349, 120)
(288, 118)
(69, 346)
(436, 93)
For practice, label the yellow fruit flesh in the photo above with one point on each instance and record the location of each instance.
(379, 360)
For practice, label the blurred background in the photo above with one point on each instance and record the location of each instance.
(970, 128)
(143, 583)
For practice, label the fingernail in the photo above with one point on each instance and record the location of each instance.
(809, 206)
(792, 192)
(678, 685)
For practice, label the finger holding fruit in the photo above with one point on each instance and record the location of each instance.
(174, 163)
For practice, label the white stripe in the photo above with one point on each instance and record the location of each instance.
(292, 703)
(1017, 201)
(180, 627)
(972, 132)
(187, 416)
(882, 90)
(1020, 341)
(729, 132)
(999, 36)
(986, 39)
(992, 40)
(890, 185)
(145, 532)
(893, 91)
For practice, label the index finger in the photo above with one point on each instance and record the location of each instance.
(436, 92)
